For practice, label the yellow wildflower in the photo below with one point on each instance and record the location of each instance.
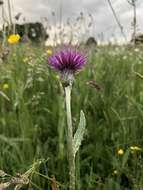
(25, 59)
(120, 152)
(57, 77)
(13, 38)
(49, 52)
(135, 148)
(115, 172)
(5, 86)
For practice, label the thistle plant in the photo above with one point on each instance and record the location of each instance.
(68, 62)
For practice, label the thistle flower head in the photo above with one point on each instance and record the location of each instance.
(68, 62)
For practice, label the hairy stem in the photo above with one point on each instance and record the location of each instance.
(70, 138)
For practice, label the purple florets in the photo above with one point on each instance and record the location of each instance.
(67, 59)
(68, 62)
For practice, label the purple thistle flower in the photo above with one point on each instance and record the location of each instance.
(68, 62)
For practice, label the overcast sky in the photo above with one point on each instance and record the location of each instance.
(102, 16)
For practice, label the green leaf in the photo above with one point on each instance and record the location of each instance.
(4, 96)
(78, 137)
(125, 158)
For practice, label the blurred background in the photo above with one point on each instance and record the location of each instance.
(105, 20)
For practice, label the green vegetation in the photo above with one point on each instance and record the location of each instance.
(33, 119)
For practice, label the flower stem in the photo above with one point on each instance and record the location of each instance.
(70, 138)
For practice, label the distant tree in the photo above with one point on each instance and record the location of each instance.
(138, 39)
(91, 41)
(1, 2)
(32, 31)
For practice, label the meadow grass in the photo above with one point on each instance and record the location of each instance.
(33, 119)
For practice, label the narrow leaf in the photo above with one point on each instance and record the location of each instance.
(4, 96)
(78, 137)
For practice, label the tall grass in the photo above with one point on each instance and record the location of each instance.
(32, 118)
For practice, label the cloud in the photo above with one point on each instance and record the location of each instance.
(102, 16)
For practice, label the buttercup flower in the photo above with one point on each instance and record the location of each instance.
(120, 152)
(14, 38)
(5, 86)
(135, 148)
(25, 59)
(67, 61)
(115, 172)
(49, 52)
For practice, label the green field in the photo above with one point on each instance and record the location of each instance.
(33, 119)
